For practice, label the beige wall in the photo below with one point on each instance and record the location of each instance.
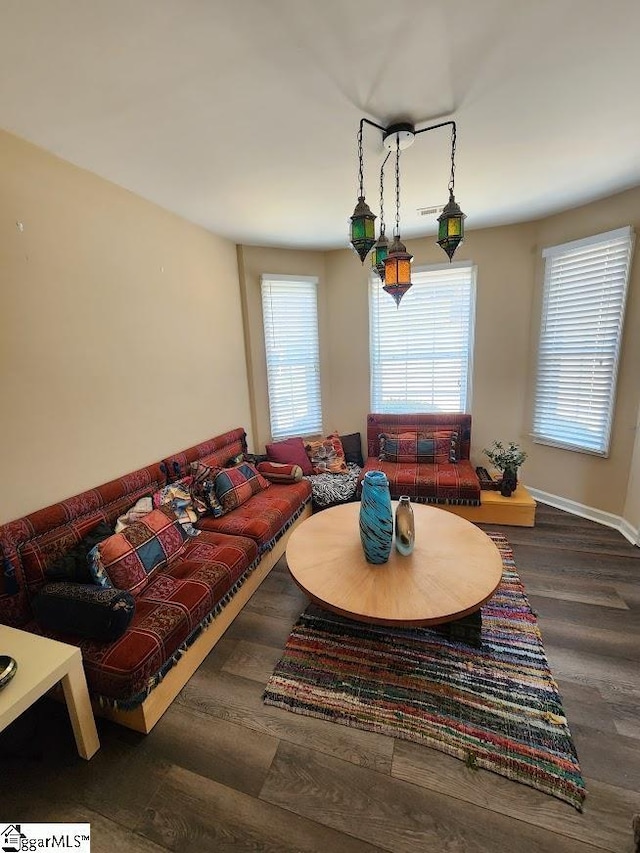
(252, 263)
(586, 479)
(121, 335)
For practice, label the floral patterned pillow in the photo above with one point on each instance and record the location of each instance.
(327, 455)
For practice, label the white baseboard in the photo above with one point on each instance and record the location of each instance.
(608, 519)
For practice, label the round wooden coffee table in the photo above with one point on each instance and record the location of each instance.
(453, 570)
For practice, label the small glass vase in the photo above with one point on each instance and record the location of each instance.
(376, 517)
(405, 526)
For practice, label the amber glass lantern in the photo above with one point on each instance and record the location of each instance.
(397, 270)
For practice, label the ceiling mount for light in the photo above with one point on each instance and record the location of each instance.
(403, 133)
(393, 262)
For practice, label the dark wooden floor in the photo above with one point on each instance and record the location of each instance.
(221, 772)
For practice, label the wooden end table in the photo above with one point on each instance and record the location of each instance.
(41, 664)
(453, 569)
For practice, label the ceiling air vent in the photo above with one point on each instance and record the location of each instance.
(430, 211)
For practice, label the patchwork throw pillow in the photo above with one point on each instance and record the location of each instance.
(84, 609)
(439, 446)
(278, 472)
(327, 455)
(290, 451)
(234, 486)
(127, 560)
(74, 565)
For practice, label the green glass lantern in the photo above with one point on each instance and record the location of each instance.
(379, 255)
(362, 228)
(397, 270)
(451, 226)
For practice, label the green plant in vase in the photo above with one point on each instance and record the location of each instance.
(506, 459)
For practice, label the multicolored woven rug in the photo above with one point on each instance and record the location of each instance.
(496, 707)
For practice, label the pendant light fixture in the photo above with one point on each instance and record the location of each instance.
(393, 263)
(397, 266)
(362, 234)
(451, 220)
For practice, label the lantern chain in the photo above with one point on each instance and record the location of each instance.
(453, 162)
(360, 168)
(397, 231)
(384, 163)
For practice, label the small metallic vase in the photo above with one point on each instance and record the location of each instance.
(405, 526)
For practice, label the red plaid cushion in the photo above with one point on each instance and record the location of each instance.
(236, 485)
(437, 447)
(127, 560)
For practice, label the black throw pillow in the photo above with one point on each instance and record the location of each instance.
(74, 566)
(85, 610)
(352, 446)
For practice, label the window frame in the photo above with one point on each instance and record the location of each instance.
(558, 253)
(377, 293)
(312, 426)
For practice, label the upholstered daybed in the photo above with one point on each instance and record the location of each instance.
(425, 456)
(182, 607)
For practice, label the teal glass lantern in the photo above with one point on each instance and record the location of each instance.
(362, 228)
(379, 255)
(451, 227)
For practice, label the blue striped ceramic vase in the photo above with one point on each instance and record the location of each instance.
(376, 517)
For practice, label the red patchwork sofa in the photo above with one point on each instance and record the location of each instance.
(425, 456)
(183, 608)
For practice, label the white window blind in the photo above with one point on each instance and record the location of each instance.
(421, 351)
(585, 286)
(290, 317)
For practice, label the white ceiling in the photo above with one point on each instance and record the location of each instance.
(242, 116)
